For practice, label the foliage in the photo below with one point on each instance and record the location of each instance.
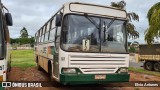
(23, 38)
(132, 49)
(129, 43)
(23, 41)
(24, 33)
(131, 30)
(120, 4)
(153, 16)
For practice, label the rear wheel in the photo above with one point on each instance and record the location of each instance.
(148, 65)
(156, 66)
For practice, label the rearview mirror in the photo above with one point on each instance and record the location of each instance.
(58, 19)
(9, 19)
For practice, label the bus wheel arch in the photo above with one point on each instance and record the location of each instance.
(36, 59)
(50, 71)
(38, 66)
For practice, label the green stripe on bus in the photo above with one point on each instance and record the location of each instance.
(52, 50)
(1, 88)
(90, 78)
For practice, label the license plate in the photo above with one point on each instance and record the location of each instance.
(100, 77)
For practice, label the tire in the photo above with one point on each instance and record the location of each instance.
(156, 66)
(53, 81)
(148, 65)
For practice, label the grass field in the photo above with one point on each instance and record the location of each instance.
(22, 58)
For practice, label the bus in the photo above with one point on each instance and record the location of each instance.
(5, 62)
(84, 44)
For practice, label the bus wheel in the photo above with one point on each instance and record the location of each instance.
(156, 66)
(148, 65)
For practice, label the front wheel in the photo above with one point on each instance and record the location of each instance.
(156, 66)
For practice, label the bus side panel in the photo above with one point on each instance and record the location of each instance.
(45, 63)
(40, 61)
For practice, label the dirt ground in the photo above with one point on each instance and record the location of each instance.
(32, 74)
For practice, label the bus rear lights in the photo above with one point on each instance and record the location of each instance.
(123, 70)
(69, 70)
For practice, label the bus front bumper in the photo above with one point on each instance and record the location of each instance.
(90, 78)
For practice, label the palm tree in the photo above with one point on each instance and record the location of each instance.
(131, 29)
(24, 33)
(153, 16)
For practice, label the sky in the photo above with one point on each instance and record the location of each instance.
(32, 14)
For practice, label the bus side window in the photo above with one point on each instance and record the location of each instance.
(35, 39)
(52, 35)
(57, 37)
(46, 37)
(42, 39)
(58, 31)
(53, 23)
(39, 39)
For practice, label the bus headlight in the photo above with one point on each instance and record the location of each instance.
(69, 70)
(123, 70)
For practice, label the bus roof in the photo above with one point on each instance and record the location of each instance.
(77, 7)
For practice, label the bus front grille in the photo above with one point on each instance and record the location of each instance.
(97, 64)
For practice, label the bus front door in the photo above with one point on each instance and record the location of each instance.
(56, 54)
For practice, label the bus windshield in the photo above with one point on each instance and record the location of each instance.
(103, 34)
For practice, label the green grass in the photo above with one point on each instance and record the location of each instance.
(144, 71)
(22, 58)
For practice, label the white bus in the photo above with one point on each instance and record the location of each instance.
(5, 21)
(84, 43)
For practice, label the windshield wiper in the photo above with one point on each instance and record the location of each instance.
(92, 21)
(110, 23)
(96, 25)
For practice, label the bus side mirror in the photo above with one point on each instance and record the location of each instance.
(9, 19)
(58, 19)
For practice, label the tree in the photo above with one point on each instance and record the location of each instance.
(131, 29)
(24, 33)
(153, 16)
(132, 50)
